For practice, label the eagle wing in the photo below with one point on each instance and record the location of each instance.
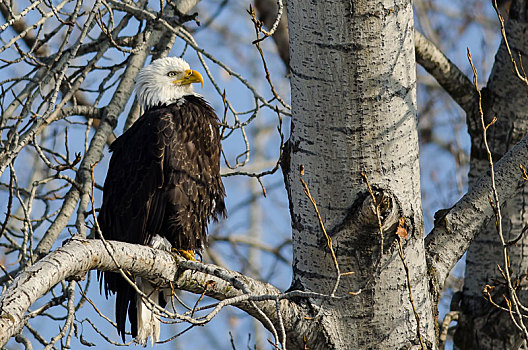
(163, 178)
(134, 175)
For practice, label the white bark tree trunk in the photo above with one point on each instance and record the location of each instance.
(354, 110)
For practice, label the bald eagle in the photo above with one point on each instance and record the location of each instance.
(163, 184)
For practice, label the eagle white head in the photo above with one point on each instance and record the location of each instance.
(165, 81)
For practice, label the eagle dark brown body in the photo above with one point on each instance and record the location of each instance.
(163, 179)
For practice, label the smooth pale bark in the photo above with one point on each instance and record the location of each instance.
(354, 110)
(482, 326)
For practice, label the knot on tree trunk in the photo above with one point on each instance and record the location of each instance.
(372, 210)
(379, 207)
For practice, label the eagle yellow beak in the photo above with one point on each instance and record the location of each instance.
(190, 76)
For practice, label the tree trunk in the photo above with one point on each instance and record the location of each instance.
(354, 111)
(483, 326)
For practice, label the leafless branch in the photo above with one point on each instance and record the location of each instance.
(448, 75)
(78, 256)
(473, 210)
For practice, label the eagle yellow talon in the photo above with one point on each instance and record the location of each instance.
(187, 254)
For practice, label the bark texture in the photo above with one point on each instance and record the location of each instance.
(483, 326)
(354, 110)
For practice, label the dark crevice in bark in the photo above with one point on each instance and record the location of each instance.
(308, 77)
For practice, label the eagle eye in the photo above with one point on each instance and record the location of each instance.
(171, 74)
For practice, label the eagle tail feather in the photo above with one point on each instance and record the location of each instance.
(148, 321)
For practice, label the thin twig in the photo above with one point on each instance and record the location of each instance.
(411, 299)
(321, 224)
(522, 76)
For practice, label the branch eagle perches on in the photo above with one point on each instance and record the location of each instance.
(79, 255)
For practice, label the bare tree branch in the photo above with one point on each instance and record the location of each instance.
(455, 229)
(267, 12)
(448, 75)
(78, 256)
